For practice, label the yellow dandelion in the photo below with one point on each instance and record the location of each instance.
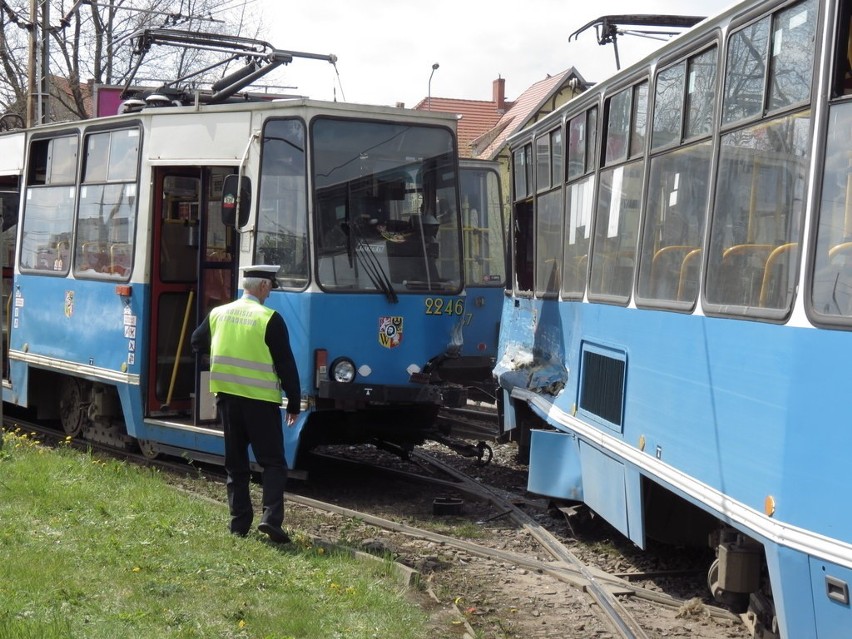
(242, 623)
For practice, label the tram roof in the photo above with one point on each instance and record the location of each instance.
(703, 32)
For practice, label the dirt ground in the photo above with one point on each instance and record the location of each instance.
(470, 596)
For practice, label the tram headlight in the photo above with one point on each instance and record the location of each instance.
(343, 370)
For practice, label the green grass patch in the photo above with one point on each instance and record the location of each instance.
(94, 548)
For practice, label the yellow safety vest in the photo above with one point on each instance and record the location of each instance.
(240, 362)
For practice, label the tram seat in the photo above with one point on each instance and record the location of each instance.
(773, 288)
(666, 267)
(741, 273)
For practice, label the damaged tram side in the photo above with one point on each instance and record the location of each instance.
(675, 351)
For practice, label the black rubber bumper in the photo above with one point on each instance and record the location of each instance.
(447, 395)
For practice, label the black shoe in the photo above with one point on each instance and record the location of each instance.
(276, 535)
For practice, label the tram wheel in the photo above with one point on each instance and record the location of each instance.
(148, 448)
(72, 407)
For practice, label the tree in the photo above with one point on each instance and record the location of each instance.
(90, 42)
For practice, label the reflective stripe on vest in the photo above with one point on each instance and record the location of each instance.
(240, 362)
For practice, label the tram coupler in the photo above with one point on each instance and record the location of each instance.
(480, 450)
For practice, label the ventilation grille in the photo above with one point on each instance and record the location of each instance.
(602, 392)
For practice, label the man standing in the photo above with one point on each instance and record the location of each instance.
(250, 362)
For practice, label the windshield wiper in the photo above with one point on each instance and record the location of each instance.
(372, 266)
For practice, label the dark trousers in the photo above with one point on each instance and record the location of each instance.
(250, 421)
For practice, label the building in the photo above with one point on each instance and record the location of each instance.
(485, 126)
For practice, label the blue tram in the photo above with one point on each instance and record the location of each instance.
(131, 227)
(676, 348)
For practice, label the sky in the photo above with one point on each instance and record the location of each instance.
(386, 48)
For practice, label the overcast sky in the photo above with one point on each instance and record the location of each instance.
(386, 48)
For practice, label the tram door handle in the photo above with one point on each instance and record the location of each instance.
(837, 590)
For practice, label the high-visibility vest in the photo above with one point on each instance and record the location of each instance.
(240, 362)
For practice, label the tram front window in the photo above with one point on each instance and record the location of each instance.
(386, 213)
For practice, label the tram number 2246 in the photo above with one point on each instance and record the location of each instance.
(448, 306)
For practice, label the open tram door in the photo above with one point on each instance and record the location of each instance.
(193, 270)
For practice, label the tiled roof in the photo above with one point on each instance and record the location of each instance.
(476, 117)
(488, 145)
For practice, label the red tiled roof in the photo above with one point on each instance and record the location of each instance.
(488, 145)
(476, 117)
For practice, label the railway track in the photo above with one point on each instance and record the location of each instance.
(605, 591)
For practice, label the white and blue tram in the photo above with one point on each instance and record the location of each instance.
(131, 227)
(675, 350)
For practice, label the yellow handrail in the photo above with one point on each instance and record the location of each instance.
(179, 347)
(774, 256)
(684, 269)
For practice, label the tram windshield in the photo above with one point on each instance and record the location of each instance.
(386, 207)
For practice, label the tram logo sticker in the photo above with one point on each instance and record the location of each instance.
(390, 331)
(69, 303)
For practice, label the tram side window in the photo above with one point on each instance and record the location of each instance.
(675, 218)
(49, 205)
(282, 231)
(762, 176)
(616, 232)
(746, 72)
(678, 184)
(843, 67)
(523, 231)
(542, 163)
(482, 228)
(668, 106)
(783, 43)
(831, 290)
(548, 220)
(639, 120)
(701, 93)
(792, 59)
(618, 127)
(619, 198)
(831, 293)
(522, 171)
(107, 214)
(578, 203)
(756, 229)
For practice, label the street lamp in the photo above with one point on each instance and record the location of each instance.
(429, 100)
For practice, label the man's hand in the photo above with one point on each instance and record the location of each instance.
(291, 419)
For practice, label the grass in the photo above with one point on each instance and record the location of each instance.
(93, 548)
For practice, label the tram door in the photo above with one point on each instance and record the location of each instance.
(192, 271)
(9, 201)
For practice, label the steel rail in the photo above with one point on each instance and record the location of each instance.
(619, 617)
